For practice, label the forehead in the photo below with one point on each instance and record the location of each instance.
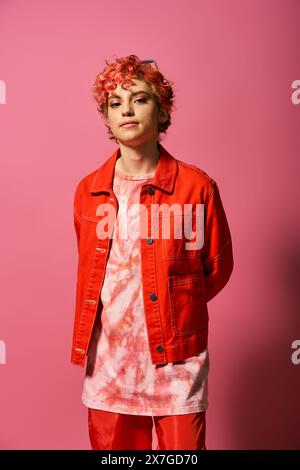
(139, 85)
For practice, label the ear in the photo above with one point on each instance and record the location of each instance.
(163, 116)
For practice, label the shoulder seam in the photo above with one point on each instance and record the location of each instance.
(199, 170)
(214, 184)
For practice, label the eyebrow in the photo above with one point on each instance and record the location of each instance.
(132, 94)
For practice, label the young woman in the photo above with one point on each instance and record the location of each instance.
(141, 315)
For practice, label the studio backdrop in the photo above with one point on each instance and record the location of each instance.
(236, 73)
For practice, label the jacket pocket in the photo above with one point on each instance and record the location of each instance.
(176, 241)
(188, 305)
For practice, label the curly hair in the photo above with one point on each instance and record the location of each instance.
(121, 72)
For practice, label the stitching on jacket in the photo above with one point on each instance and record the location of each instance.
(199, 170)
(91, 219)
(84, 217)
(76, 214)
(215, 258)
(212, 191)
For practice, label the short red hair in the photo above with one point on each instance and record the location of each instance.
(120, 73)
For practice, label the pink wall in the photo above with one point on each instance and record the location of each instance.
(233, 64)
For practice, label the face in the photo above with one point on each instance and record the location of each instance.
(135, 103)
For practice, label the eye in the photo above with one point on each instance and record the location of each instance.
(143, 100)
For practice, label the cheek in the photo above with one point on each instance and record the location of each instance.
(153, 118)
(112, 123)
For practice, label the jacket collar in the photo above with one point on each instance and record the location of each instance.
(164, 177)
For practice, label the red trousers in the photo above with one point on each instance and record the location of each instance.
(116, 431)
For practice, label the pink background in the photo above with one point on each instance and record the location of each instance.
(233, 63)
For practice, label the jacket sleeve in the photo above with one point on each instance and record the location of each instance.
(217, 256)
(77, 227)
(76, 216)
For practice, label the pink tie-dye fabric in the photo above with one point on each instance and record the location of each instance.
(120, 376)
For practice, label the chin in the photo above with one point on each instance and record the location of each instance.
(134, 139)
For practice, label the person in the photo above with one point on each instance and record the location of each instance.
(141, 317)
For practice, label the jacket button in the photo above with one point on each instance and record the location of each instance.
(149, 241)
(153, 297)
(160, 348)
(150, 190)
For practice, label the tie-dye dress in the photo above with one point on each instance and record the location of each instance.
(120, 376)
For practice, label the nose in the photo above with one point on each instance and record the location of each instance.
(127, 109)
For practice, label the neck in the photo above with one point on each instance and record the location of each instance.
(138, 160)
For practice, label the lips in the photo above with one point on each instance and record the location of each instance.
(129, 123)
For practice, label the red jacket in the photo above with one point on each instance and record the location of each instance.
(177, 282)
